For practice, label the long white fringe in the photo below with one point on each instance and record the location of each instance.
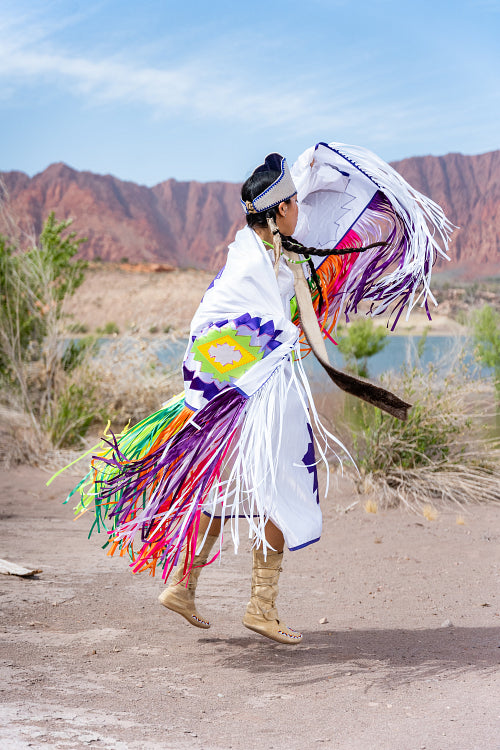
(423, 219)
(252, 460)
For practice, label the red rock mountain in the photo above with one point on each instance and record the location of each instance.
(468, 190)
(188, 224)
(179, 223)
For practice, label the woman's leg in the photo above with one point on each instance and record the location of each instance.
(212, 524)
(178, 596)
(262, 615)
(274, 537)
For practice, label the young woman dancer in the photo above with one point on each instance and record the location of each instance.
(239, 441)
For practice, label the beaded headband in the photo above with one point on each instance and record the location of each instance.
(281, 189)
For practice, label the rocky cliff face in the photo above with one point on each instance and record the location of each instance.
(189, 224)
(468, 189)
(178, 223)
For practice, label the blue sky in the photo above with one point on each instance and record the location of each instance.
(197, 90)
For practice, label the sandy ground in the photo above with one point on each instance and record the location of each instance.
(408, 659)
(140, 301)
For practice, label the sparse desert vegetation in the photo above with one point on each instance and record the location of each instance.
(59, 382)
(56, 382)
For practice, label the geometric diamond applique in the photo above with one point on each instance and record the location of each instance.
(224, 353)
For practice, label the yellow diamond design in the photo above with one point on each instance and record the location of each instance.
(241, 356)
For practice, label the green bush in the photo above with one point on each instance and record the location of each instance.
(33, 286)
(78, 328)
(76, 351)
(428, 434)
(486, 334)
(108, 329)
(73, 413)
(359, 341)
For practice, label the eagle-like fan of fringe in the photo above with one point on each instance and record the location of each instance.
(416, 231)
(419, 224)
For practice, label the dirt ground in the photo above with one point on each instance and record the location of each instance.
(408, 659)
(139, 302)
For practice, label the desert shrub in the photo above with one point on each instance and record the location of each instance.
(78, 328)
(461, 317)
(438, 453)
(76, 352)
(130, 380)
(54, 390)
(486, 335)
(75, 410)
(19, 442)
(108, 329)
(359, 341)
(33, 286)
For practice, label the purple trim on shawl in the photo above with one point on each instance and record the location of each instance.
(273, 344)
(306, 544)
(210, 286)
(263, 335)
(268, 328)
(349, 160)
(209, 390)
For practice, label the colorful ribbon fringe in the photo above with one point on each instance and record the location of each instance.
(150, 492)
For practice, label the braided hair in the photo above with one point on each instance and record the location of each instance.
(293, 246)
(254, 186)
(251, 188)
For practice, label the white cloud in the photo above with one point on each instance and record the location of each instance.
(212, 83)
(351, 96)
(204, 87)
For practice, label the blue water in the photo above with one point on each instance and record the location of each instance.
(445, 353)
(442, 351)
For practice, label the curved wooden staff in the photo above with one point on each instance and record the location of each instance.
(359, 387)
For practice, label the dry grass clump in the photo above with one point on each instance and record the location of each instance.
(440, 454)
(20, 441)
(371, 506)
(130, 381)
(445, 482)
(123, 381)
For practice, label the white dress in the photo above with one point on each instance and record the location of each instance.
(239, 440)
(277, 447)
